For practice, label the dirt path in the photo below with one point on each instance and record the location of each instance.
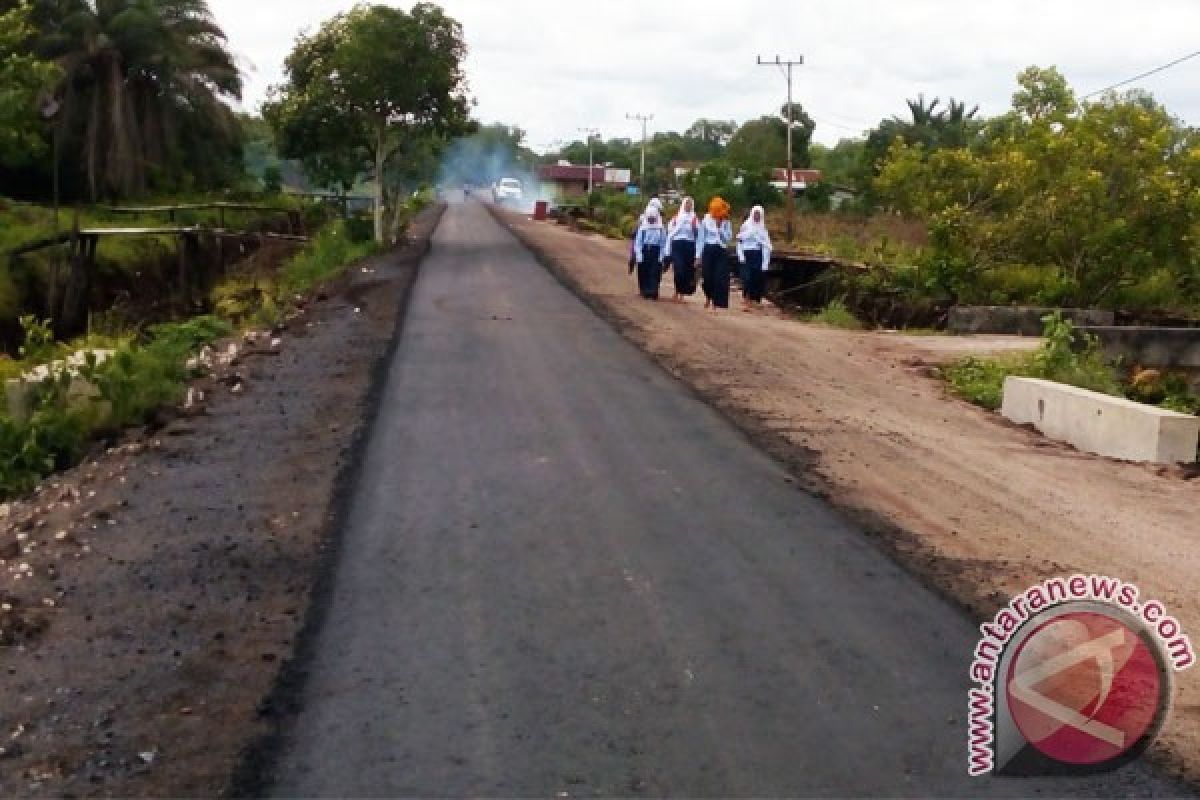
(980, 508)
(141, 644)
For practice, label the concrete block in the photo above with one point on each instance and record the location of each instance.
(1156, 348)
(1018, 320)
(1098, 423)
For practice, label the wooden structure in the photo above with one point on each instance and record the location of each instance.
(67, 299)
(293, 216)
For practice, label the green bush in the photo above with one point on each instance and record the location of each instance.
(837, 315)
(324, 257)
(141, 378)
(981, 380)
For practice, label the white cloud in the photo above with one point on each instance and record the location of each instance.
(552, 67)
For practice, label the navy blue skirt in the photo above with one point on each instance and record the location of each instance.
(714, 264)
(683, 265)
(754, 280)
(650, 272)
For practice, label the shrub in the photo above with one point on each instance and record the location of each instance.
(837, 315)
(981, 380)
(324, 257)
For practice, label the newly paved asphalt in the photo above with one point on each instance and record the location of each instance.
(564, 575)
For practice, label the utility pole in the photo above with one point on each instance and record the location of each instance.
(791, 198)
(591, 133)
(642, 118)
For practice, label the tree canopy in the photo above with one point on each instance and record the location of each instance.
(143, 91)
(24, 81)
(762, 143)
(1104, 192)
(364, 85)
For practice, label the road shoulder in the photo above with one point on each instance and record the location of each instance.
(194, 559)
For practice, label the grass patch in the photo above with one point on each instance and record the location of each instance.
(837, 315)
(144, 374)
(981, 380)
(325, 256)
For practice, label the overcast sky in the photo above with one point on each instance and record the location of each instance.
(553, 66)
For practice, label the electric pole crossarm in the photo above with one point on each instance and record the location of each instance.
(786, 67)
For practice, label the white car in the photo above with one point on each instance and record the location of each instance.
(506, 189)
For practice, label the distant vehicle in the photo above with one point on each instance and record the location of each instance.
(506, 189)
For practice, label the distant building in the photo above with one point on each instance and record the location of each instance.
(565, 180)
(801, 179)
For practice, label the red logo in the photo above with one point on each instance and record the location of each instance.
(1084, 688)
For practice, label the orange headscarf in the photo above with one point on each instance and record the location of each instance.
(718, 208)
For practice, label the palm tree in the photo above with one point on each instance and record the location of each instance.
(923, 115)
(136, 72)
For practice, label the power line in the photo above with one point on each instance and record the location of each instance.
(833, 124)
(1146, 74)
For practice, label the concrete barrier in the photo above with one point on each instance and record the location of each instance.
(1150, 347)
(1018, 320)
(1101, 424)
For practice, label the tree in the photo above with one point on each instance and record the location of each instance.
(802, 130)
(1043, 95)
(840, 165)
(926, 125)
(365, 82)
(143, 89)
(23, 80)
(715, 134)
(1103, 193)
(762, 143)
(759, 144)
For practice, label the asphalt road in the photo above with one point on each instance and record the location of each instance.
(564, 575)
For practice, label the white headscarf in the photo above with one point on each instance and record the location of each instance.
(756, 232)
(654, 205)
(652, 218)
(684, 217)
(752, 229)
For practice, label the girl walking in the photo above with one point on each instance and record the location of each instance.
(654, 205)
(712, 243)
(681, 249)
(754, 255)
(648, 246)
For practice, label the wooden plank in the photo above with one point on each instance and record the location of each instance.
(40, 244)
(65, 238)
(171, 231)
(227, 234)
(195, 207)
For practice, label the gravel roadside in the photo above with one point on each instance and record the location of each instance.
(151, 600)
